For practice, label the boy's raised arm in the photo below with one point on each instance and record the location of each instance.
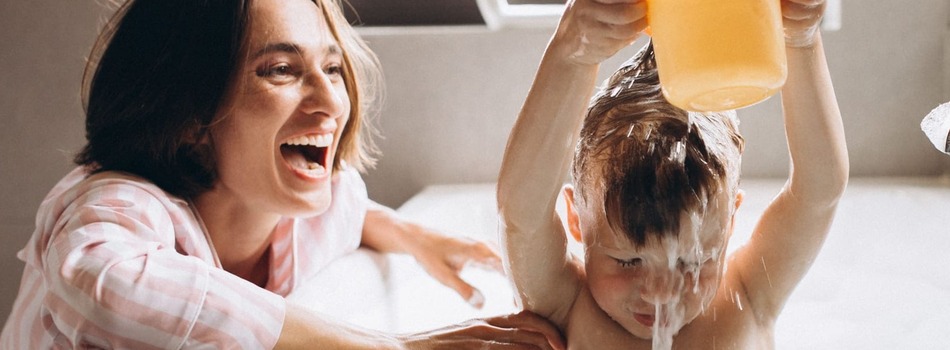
(794, 226)
(540, 148)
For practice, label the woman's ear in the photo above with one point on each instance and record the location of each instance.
(573, 223)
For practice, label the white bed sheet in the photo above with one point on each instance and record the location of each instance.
(880, 282)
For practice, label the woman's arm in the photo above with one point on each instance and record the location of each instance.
(540, 147)
(115, 278)
(793, 228)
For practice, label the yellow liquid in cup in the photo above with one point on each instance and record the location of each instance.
(716, 55)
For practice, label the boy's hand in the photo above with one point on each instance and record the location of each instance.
(801, 19)
(444, 258)
(591, 31)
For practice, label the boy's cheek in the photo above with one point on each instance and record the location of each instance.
(612, 282)
(707, 284)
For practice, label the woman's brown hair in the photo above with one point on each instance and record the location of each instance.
(159, 73)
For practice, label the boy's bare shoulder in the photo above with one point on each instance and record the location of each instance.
(726, 324)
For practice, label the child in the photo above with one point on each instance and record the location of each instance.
(656, 193)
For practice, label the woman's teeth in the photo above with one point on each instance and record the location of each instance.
(323, 140)
(307, 153)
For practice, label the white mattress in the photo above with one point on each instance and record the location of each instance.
(880, 282)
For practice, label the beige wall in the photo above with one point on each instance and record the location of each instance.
(453, 96)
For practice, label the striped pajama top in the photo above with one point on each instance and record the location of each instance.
(117, 263)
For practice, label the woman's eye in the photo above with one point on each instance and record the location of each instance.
(336, 70)
(278, 71)
(630, 262)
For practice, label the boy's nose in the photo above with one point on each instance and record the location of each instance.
(661, 288)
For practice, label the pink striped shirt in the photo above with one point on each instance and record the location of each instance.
(115, 262)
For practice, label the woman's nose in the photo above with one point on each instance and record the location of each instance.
(322, 96)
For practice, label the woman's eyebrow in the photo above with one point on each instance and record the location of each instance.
(332, 49)
(276, 47)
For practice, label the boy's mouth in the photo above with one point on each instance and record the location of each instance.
(644, 319)
(308, 154)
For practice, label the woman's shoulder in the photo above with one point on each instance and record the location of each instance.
(118, 191)
(104, 203)
(115, 184)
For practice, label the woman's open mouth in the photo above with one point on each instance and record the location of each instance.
(308, 154)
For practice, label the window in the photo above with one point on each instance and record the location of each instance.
(495, 14)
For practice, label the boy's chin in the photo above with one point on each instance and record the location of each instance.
(635, 328)
(643, 332)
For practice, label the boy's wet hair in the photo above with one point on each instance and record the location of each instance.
(655, 160)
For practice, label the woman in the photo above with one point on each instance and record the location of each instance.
(221, 171)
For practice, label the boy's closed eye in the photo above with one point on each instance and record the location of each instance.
(626, 263)
(687, 265)
(680, 263)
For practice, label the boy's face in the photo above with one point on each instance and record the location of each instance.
(666, 283)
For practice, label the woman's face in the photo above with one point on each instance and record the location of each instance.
(285, 112)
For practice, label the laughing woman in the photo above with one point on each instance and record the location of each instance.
(224, 140)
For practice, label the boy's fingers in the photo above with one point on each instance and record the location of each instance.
(627, 32)
(802, 12)
(618, 1)
(620, 13)
(807, 2)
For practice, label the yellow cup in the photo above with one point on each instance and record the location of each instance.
(716, 55)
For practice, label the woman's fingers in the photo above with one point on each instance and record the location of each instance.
(530, 321)
(523, 328)
(516, 332)
(518, 338)
(450, 277)
(487, 256)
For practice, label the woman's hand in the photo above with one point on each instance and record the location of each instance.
(523, 330)
(801, 19)
(441, 256)
(305, 329)
(444, 257)
(591, 31)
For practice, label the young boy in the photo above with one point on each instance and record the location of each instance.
(656, 193)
